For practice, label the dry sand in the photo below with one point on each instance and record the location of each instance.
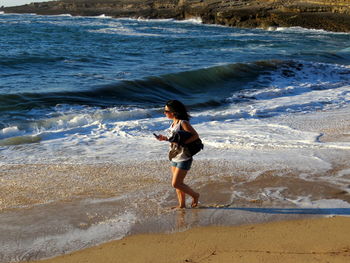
(297, 241)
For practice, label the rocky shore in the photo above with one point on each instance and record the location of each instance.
(331, 15)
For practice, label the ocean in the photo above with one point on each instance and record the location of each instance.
(80, 98)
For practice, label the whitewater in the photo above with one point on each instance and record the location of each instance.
(80, 98)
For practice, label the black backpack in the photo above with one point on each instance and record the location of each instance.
(195, 146)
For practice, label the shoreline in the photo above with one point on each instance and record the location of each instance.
(330, 15)
(72, 221)
(54, 209)
(283, 241)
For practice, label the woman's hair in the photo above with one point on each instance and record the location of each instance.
(178, 109)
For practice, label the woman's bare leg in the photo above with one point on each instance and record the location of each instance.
(181, 196)
(182, 189)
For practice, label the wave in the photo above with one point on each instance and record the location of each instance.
(194, 20)
(298, 29)
(19, 140)
(204, 87)
(103, 16)
(64, 15)
(261, 89)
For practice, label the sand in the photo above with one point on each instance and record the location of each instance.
(80, 200)
(307, 240)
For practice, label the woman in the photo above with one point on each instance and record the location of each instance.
(181, 163)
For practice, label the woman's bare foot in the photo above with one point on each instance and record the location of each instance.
(195, 201)
(178, 207)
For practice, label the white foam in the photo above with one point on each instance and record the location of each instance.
(22, 15)
(122, 30)
(274, 193)
(103, 16)
(298, 29)
(64, 15)
(10, 132)
(78, 121)
(149, 20)
(305, 202)
(194, 20)
(124, 134)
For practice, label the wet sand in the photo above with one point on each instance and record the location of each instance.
(219, 182)
(312, 240)
(84, 209)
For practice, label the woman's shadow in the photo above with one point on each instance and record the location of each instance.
(295, 211)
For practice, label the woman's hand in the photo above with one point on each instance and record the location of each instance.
(162, 138)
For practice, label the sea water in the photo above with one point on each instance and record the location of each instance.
(80, 98)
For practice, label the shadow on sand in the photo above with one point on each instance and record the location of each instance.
(300, 211)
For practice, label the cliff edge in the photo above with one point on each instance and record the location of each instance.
(331, 15)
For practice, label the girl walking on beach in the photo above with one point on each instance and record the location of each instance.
(180, 161)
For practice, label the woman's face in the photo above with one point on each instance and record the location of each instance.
(168, 113)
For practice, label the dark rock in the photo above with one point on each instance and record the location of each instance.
(331, 15)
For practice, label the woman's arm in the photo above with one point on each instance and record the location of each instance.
(188, 127)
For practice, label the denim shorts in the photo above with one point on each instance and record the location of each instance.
(185, 165)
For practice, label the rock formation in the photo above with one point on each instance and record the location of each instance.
(332, 15)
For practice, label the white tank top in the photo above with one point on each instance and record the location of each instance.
(182, 156)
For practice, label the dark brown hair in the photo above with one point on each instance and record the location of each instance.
(178, 109)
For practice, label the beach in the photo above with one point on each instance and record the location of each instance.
(312, 240)
(80, 99)
(281, 215)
